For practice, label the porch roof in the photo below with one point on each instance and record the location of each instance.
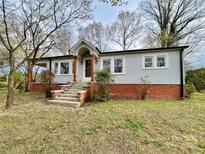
(83, 43)
(55, 57)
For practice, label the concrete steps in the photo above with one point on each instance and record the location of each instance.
(72, 92)
(68, 98)
(65, 103)
(71, 95)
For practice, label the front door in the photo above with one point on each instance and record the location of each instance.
(87, 69)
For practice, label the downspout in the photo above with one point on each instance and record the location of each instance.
(182, 74)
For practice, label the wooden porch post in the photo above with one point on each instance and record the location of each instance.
(75, 68)
(30, 76)
(92, 60)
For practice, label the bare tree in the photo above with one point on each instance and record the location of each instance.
(95, 33)
(63, 39)
(175, 22)
(115, 2)
(125, 31)
(10, 41)
(46, 18)
(27, 29)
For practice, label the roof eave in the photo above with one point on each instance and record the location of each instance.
(144, 50)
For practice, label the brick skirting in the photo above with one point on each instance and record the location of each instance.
(155, 91)
(40, 87)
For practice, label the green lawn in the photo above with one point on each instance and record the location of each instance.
(125, 126)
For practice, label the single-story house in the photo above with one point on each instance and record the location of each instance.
(161, 68)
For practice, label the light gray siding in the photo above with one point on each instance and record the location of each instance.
(134, 71)
(62, 78)
(97, 65)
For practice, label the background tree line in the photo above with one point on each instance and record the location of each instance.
(196, 78)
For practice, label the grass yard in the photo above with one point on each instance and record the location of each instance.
(119, 127)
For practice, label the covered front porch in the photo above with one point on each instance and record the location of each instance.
(85, 62)
(78, 67)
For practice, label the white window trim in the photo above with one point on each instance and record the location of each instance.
(59, 66)
(112, 64)
(154, 66)
(143, 62)
(45, 62)
(68, 70)
(101, 65)
(53, 68)
(123, 65)
(166, 61)
(86, 78)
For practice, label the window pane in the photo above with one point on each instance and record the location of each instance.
(118, 66)
(64, 68)
(56, 68)
(161, 61)
(148, 59)
(107, 65)
(148, 62)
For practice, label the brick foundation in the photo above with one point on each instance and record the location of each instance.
(40, 87)
(155, 91)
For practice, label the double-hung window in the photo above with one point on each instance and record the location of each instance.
(114, 65)
(161, 61)
(148, 61)
(155, 61)
(118, 65)
(107, 64)
(64, 68)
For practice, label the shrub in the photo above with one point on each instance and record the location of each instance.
(189, 90)
(145, 87)
(45, 77)
(103, 79)
(3, 84)
(97, 98)
(3, 78)
(18, 78)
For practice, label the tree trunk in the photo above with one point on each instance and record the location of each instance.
(27, 80)
(10, 90)
(26, 84)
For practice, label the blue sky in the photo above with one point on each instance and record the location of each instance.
(198, 59)
(107, 14)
